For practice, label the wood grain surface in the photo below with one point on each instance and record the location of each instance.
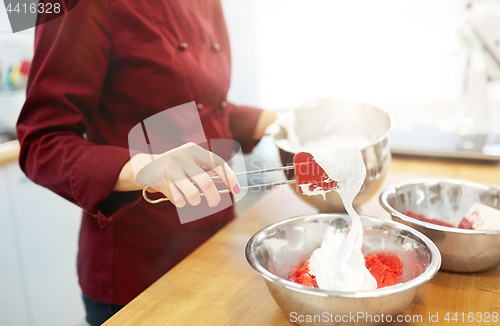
(9, 152)
(216, 286)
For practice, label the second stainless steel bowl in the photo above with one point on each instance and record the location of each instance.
(448, 200)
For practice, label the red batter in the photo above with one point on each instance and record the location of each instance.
(464, 224)
(385, 267)
(423, 218)
(302, 276)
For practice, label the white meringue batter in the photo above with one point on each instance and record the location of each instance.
(338, 264)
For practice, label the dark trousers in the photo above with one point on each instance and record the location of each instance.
(98, 312)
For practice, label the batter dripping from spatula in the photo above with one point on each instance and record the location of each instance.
(338, 265)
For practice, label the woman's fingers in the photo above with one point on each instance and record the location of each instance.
(205, 182)
(170, 190)
(220, 167)
(190, 192)
(172, 193)
(229, 178)
(191, 163)
(152, 189)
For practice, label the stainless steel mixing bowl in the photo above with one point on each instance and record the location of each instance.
(277, 250)
(325, 117)
(448, 200)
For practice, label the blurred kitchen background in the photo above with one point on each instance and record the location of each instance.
(410, 58)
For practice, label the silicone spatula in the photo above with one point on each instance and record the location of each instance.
(308, 172)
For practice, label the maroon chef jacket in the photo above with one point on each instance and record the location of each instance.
(97, 71)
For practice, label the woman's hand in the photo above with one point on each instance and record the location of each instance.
(265, 119)
(177, 172)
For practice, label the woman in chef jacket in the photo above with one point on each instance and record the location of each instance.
(98, 71)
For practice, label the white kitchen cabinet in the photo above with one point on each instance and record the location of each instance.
(13, 294)
(38, 247)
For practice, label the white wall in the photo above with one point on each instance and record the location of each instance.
(290, 51)
(286, 52)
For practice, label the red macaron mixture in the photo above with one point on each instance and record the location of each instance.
(385, 267)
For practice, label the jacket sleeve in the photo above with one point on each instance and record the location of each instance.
(64, 88)
(243, 120)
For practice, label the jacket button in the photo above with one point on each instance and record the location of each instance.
(223, 104)
(215, 47)
(199, 106)
(183, 46)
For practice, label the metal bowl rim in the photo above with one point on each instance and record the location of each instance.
(373, 143)
(428, 274)
(392, 189)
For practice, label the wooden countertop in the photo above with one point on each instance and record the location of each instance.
(9, 152)
(216, 286)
